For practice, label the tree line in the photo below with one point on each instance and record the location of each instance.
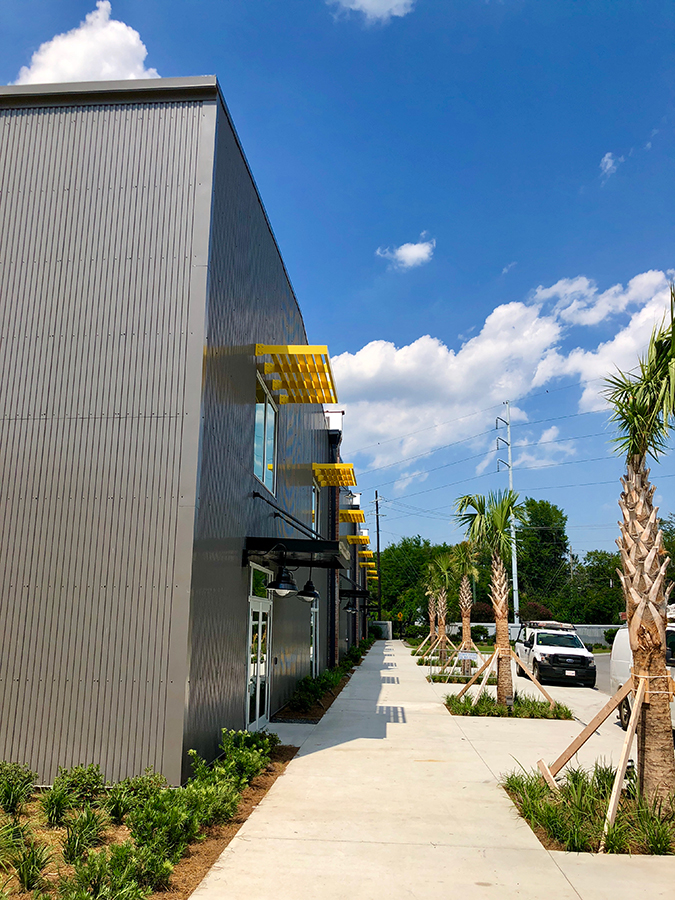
(554, 582)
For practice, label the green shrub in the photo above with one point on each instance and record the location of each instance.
(83, 784)
(479, 634)
(118, 801)
(82, 832)
(55, 804)
(107, 875)
(29, 862)
(610, 634)
(375, 632)
(17, 783)
(168, 822)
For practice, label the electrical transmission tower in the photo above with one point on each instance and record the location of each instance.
(509, 465)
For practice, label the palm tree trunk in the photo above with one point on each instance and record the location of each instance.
(465, 603)
(644, 568)
(499, 594)
(432, 617)
(442, 611)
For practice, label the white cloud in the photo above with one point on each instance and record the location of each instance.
(433, 395)
(609, 164)
(509, 267)
(99, 49)
(648, 145)
(580, 303)
(408, 256)
(377, 10)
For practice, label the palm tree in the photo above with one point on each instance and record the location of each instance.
(464, 557)
(487, 521)
(442, 575)
(642, 410)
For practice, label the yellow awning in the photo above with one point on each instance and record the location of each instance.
(358, 539)
(334, 474)
(367, 554)
(303, 371)
(352, 515)
(364, 564)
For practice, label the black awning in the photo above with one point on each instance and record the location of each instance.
(354, 593)
(293, 552)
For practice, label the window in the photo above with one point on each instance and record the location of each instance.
(559, 640)
(316, 497)
(265, 447)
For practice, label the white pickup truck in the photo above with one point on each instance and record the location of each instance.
(553, 651)
(621, 662)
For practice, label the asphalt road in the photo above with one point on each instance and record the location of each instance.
(602, 668)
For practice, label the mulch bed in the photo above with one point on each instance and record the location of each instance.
(202, 855)
(315, 713)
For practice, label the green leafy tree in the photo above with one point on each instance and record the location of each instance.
(598, 596)
(403, 567)
(543, 556)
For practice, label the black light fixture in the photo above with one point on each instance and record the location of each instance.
(309, 593)
(350, 607)
(284, 584)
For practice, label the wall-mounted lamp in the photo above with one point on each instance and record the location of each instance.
(284, 584)
(309, 593)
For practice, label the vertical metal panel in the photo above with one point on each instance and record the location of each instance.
(97, 209)
(250, 300)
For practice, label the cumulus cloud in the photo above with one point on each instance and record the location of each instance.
(580, 303)
(409, 256)
(376, 10)
(414, 399)
(609, 164)
(99, 49)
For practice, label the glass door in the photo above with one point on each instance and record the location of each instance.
(259, 643)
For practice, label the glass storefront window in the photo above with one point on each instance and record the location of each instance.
(265, 442)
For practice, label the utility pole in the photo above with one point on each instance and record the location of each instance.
(379, 573)
(509, 465)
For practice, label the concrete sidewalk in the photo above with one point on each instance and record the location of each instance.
(391, 797)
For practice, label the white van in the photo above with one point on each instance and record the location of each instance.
(621, 662)
(553, 651)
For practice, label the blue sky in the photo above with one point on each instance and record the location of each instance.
(512, 164)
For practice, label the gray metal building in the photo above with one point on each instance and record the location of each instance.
(144, 435)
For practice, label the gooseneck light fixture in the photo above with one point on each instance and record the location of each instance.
(284, 584)
(309, 593)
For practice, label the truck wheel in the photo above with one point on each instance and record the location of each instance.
(535, 672)
(624, 713)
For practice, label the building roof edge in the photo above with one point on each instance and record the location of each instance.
(130, 91)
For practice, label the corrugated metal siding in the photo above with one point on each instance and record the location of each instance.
(96, 224)
(250, 300)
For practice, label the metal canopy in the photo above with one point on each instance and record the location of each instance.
(293, 552)
(354, 593)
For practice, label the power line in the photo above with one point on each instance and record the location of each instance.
(457, 462)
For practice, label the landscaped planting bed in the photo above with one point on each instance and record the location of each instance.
(313, 696)
(523, 707)
(573, 819)
(84, 839)
(457, 679)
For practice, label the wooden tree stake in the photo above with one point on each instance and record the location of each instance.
(623, 762)
(590, 729)
(475, 677)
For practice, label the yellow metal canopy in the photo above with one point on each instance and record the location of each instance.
(363, 564)
(334, 475)
(358, 539)
(367, 554)
(352, 515)
(303, 371)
